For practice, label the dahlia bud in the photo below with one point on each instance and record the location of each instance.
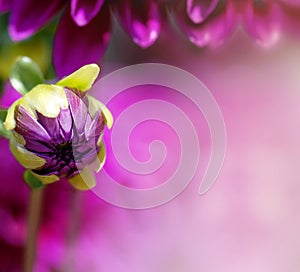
(56, 130)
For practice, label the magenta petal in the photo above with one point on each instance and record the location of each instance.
(84, 11)
(78, 110)
(199, 10)
(263, 22)
(9, 95)
(213, 30)
(27, 16)
(76, 46)
(140, 19)
(5, 5)
(30, 128)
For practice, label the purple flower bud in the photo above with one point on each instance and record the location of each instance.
(57, 132)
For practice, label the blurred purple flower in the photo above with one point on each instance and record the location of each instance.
(218, 21)
(84, 30)
(211, 22)
(263, 21)
(142, 20)
(85, 26)
(199, 10)
(5, 5)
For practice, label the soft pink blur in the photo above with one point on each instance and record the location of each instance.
(249, 220)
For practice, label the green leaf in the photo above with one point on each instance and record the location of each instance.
(25, 74)
(3, 132)
(32, 180)
(3, 114)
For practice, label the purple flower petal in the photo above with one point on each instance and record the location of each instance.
(84, 11)
(262, 20)
(78, 110)
(76, 46)
(212, 31)
(140, 19)
(27, 16)
(94, 128)
(37, 147)
(51, 125)
(5, 5)
(199, 10)
(66, 124)
(9, 95)
(28, 127)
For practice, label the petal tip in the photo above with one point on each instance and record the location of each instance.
(82, 79)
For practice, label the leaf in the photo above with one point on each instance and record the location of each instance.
(25, 74)
(3, 114)
(3, 132)
(32, 180)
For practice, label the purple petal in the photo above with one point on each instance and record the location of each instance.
(140, 19)
(94, 128)
(51, 125)
(78, 111)
(27, 16)
(199, 10)
(28, 127)
(76, 46)
(83, 11)
(9, 95)
(87, 158)
(37, 147)
(212, 31)
(66, 124)
(263, 22)
(5, 5)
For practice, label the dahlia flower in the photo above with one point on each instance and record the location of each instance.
(57, 130)
(85, 26)
(84, 29)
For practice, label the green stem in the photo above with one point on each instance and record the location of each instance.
(36, 196)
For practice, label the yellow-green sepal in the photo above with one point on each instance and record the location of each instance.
(99, 161)
(3, 132)
(95, 105)
(25, 74)
(32, 180)
(83, 181)
(82, 79)
(46, 179)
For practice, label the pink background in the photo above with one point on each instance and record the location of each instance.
(249, 220)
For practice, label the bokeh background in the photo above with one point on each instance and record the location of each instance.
(248, 221)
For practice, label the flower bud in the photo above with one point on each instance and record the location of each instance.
(57, 130)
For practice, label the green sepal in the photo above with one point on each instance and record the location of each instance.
(32, 180)
(3, 132)
(25, 74)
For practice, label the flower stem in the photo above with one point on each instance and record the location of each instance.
(36, 196)
(74, 216)
(73, 229)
